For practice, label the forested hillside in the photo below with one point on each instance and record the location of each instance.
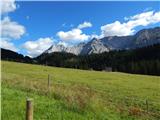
(143, 60)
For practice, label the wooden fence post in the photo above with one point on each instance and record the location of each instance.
(48, 82)
(29, 109)
(147, 105)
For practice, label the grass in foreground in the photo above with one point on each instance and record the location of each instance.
(78, 94)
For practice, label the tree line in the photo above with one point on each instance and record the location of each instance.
(144, 60)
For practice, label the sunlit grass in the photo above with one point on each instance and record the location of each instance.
(78, 94)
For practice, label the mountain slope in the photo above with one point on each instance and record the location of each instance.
(14, 56)
(145, 60)
(142, 38)
(147, 37)
(94, 46)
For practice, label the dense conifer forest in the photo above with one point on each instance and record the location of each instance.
(144, 60)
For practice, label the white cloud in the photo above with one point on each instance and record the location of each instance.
(116, 28)
(11, 29)
(128, 27)
(94, 36)
(7, 6)
(75, 35)
(4, 43)
(72, 35)
(35, 48)
(85, 25)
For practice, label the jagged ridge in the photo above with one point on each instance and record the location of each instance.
(142, 38)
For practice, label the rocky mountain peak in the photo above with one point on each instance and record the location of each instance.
(142, 38)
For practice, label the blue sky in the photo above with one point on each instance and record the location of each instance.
(46, 23)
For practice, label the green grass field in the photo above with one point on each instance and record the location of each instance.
(77, 94)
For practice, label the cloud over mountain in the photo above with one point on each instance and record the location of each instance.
(36, 47)
(143, 38)
(65, 27)
(7, 45)
(75, 34)
(128, 28)
(72, 35)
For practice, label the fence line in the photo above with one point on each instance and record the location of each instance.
(29, 103)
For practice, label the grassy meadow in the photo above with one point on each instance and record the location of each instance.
(77, 94)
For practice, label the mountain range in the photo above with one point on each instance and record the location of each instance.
(139, 53)
(143, 38)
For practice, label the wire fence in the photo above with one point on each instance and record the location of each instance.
(48, 90)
